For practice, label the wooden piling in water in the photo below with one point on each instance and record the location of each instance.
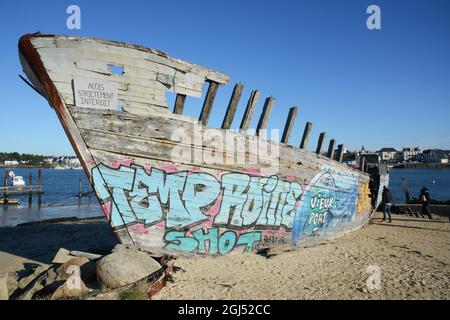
(5, 196)
(405, 190)
(39, 187)
(30, 193)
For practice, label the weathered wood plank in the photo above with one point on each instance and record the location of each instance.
(320, 142)
(232, 106)
(173, 80)
(155, 136)
(251, 105)
(289, 124)
(179, 104)
(265, 114)
(208, 103)
(128, 50)
(153, 111)
(340, 153)
(306, 133)
(331, 147)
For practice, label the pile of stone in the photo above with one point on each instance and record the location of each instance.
(80, 275)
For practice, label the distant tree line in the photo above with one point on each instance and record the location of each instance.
(21, 157)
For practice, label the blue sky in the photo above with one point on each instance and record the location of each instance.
(377, 88)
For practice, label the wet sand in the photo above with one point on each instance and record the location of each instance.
(412, 254)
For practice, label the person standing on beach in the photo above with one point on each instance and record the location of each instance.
(387, 200)
(425, 201)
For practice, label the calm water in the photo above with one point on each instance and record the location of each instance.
(59, 186)
(58, 199)
(436, 180)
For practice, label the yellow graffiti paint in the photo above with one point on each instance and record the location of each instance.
(363, 198)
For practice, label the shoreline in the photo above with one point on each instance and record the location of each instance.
(421, 166)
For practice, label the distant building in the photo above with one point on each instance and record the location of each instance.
(388, 154)
(411, 154)
(436, 156)
(11, 162)
(49, 160)
(73, 162)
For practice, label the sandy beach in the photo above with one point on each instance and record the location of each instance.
(412, 254)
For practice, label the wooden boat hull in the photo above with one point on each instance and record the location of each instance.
(169, 184)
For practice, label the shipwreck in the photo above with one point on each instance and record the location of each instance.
(167, 182)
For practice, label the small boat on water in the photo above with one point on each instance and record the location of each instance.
(169, 182)
(17, 181)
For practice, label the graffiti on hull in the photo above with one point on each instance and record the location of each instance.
(328, 202)
(238, 203)
(199, 212)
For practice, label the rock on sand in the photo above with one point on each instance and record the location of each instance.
(125, 267)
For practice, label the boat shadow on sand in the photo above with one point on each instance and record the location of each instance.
(40, 241)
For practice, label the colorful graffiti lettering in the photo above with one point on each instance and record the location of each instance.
(211, 241)
(328, 200)
(190, 200)
(198, 212)
(182, 198)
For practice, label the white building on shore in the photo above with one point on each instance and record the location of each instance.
(410, 153)
(388, 154)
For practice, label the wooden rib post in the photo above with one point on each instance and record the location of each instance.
(340, 153)
(289, 124)
(251, 104)
(265, 114)
(232, 106)
(39, 187)
(208, 103)
(320, 142)
(179, 103)
(331, 146)
(306, 134)
(30, 186)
